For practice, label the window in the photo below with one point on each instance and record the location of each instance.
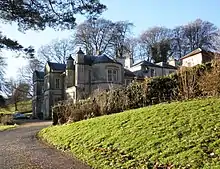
(57, 83)
(112, 75)
(189, 64)
(152, 72)
(115, 76)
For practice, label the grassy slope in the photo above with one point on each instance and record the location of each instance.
(6, 127)
(181, 133)
(22, 106)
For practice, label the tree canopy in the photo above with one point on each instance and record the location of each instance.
(39, 14)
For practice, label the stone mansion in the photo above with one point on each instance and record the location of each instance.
(82, 75)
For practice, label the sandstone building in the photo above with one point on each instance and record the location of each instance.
(82, 75)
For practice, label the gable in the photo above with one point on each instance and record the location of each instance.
(47, 69)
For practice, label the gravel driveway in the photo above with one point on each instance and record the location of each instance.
(19, 149)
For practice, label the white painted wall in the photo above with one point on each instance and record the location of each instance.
(135, 68)
(192, 60)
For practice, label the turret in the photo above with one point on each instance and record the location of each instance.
(79, 67)
(70, 72)
(70, 62)
(80, 57)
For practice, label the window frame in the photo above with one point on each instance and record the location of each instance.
(57, 85)
(112, 75)
(152, 72)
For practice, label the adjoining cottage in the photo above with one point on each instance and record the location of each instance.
(84, 75)
(198, 56)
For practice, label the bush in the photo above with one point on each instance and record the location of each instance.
(210, 81)
(135, 95)
(6, 119)
(187, 83)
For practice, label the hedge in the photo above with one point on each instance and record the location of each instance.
(186, 83)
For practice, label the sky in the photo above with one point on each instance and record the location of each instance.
(143, 14)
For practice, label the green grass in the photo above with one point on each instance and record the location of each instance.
(6, 127)
(185, 134)
(22, 106)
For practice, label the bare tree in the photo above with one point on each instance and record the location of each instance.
(102, 36)
(196, 34)
(121, 34)
(2, 69)
(17, 91)
(57, 50)
(95, 36)
(156, 42)
(26, 73)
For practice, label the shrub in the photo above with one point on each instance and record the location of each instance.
(187, 83)
(6, 119)
(210, 80)
(135, 95)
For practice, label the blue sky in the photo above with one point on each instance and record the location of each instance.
(142, 13)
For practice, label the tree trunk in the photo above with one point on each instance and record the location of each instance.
(16, 106)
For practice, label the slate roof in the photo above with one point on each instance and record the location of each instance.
(146, 63)
(206, 53)
(103, 59)
(70, 58)
(57, 66)
(165, 65)
(89, 60)
(39, 74)
(194, 52)
(80, 51)
(139, 74)
(128, 73)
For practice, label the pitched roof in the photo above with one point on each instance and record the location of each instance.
(80, 51)
(165, 65)
(139, 74)
(194, 52)
(128, 73)
(209, 54)
(146, 63)
(89, 60)
(57, 66)
(70, 58)
(39, 74)
(103, 59)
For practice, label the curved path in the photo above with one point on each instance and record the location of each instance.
(19, 149)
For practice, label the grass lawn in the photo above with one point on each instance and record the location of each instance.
(22, 106)
(6, 127)
(184, 134)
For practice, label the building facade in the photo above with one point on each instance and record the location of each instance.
(84, 75)
(198, 56)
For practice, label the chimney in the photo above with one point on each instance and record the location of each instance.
(128, 60)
